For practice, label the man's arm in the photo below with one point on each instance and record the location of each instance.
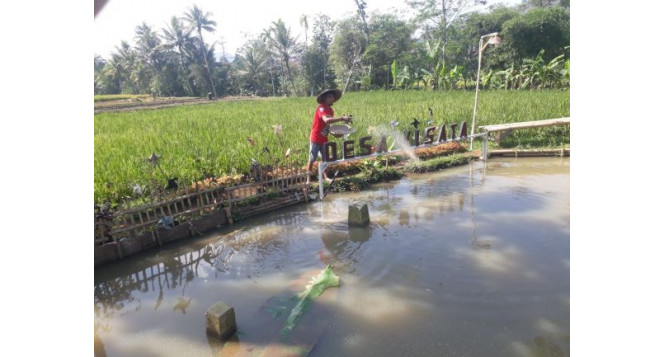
(329, 120)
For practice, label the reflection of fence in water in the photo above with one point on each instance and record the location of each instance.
(186, 206)
(174, 272)
(170, 274)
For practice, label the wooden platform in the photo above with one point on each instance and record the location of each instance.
(525, 124)
(529, 153)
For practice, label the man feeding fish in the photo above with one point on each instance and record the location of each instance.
(320, 128)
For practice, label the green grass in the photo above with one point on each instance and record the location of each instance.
(213, 137)
(436, 164)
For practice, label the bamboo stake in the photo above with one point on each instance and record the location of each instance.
(133, 223)
(140, 217)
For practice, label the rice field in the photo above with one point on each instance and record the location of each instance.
(214, 138)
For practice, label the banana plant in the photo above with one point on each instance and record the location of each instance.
(565, 73)
(443, 81)
(511, 77)
(531, 69)
(406, 78)
(429, 78)
(435, 67)
(455, 75)
(486, 79)
(504, 77)
(550, 73)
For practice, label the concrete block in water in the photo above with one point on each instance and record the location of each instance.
(106, 253)
(130, 246)
(209, 222)
(358, 215)
(220, 321)
(172, 234)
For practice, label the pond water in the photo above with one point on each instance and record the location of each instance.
(468, 261)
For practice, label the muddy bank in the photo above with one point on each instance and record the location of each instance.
(157, 103)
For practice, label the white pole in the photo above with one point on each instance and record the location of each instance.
(321, 181)
(477, 90)
(485, 149)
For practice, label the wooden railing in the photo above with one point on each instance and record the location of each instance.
(194, 203)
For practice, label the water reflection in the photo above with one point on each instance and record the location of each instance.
(342, 244)
(404, 218)
(98, 344)
(470, 261)
(541, 346)
(182, 304)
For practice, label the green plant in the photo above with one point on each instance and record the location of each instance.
(217, 133)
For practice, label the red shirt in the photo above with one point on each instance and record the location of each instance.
(318, 124)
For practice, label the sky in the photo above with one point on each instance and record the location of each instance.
(235, 19)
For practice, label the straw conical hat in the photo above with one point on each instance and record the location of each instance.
(336, 92)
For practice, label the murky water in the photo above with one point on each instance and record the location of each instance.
(469, 261)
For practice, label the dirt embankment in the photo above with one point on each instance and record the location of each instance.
(156, 103)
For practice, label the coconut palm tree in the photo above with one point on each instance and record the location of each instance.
(114, 69)
(177, 36)
(304, 22)
(151, 55)
(121, 64)
(147, 44)
(253, 65)
(282, 44)
(200, 21)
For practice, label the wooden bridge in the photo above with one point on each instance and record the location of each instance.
(503, 130)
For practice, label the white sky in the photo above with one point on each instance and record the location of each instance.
(235, 19)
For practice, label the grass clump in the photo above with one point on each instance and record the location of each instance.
(436, 164)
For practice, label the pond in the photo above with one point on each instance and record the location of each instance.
(468, 261)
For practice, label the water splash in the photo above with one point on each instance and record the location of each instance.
(400, 140)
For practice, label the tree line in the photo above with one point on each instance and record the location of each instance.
(437, 49)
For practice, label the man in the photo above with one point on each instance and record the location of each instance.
(323, 116)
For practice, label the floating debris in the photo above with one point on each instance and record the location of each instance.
(182, 304)
(318, 284)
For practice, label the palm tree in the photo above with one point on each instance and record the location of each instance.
(115, 70)
(177, 36)
(121, 64)
(281, 43)
(148, 46)
(253, 65)
(304, 21)
(147, 43)
(200, 21)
